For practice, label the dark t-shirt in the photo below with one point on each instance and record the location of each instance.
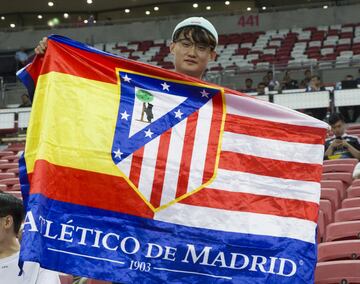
(341, 152)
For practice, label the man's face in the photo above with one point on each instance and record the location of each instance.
(270, 76)
(314, 81)
(307, 73)
(190, 58)
(248, 84)
(338, 128)
(261, 89)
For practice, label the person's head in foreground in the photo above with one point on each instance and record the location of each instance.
(11, 217)
(193, 46)
(337, 124)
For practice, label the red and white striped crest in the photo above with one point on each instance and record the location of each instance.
(180, 161)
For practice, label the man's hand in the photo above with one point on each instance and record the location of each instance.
(41, 48)
(337, 143)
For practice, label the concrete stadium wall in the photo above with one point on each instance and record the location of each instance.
(162, 29)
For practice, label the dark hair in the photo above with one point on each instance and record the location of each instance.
(10, 205)
(336, 117)
(316, 76)
(197, 34)
(261, 83)
(248, 79)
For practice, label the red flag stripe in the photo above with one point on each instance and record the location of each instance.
(213, 143)
(245, 202)
(269, 167)
(187, 154)
(136, 163)
(87, 188)
(160, 167)
(273, 130)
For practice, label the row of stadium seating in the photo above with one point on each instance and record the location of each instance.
(258, 50)
(339, 222)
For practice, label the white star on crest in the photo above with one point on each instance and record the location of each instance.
(118, 153)
(124, 115)
(178, 114)
(148, 133)
(126, 78)
(165, 86)
(204, 94)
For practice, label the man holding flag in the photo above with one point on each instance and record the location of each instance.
(217, 187)
(193, 46)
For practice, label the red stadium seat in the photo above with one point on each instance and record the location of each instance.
(66, 279)
(356, 182)
(349, 230)
(347, 214)
(16, 187)
(3, 187)
(350, 202)
(338, 168)
(342, 271)
(342, 162)
(334, 184)
(93, 281)
(10, 181)
(321, 227)
(6, 175)
(2, 161)
(4, 167)
(13, 170)
(327, 207)
(6, 153)
(353, 191)
(332, 195)
(339, 250)
(344, 177)
(11, 158)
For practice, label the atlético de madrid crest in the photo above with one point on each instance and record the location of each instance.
(167, 136)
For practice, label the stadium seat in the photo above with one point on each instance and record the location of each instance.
(4, 167)
(338, 168)
(321, 227)
(13, 170)
(327, 207)
(6, 175)
(343, 231)
(347, 214)
(342, 271)
(16, 187)
(5, 153)
(341, 161)
(10, 181)
(11, 158)
(346, 178)
(334, 184)
(332, 195)
(3, 187)
(356, 182)
(340, 250)
(94, 281)
(66, 279)
(350, 202)
(353, 191)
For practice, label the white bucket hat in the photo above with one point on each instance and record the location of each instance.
(200, 22)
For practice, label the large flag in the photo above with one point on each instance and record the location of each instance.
(136, 174)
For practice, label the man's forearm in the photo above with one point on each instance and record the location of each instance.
(329, 151)
(353, 151)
